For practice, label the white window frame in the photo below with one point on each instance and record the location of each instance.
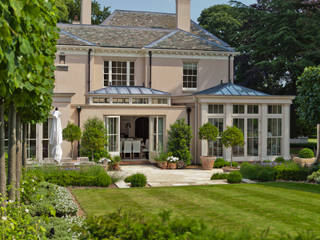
(275, 137)
(110, 72)
(190, 89)
(117, 152)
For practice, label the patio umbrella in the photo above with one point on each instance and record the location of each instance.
(56, 136)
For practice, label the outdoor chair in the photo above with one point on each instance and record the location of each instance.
(136, 148)
(127, 149)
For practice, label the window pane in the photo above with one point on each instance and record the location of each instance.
(215, 109)
(190, 75)
(274, 136)
(238, 109)
(253, 137)
(238, 150)
(253, 109)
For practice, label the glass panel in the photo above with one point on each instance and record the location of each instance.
(215, 109)
(274, 136)
(253, 109)
(140, 100)
(159, 101)
(216, 148)
(113, 134)
(238, 109)
(274, 109)
(238, 151)
(190, 75)
(155, 126)
(253, 137)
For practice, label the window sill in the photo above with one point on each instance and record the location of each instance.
(189, 89)
(62, 67)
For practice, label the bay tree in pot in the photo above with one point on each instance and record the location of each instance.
(208, 132)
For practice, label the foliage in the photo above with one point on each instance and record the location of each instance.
(98, 14)
(17, 223)
(29, 185)
(232, 137)
(314, 177)
(279, 160)
(308, 99)
(306, 153)
(291, 171)
(257, 172)
(179, 138)
(71, 133)
(220, 163)
(234, 177)
(224, 21)
(84, 176)
(114, 163)
(160, 157)
(218, 176)
(137, 180)
(52, 200)
(94, 139)
(62, 228)
(208, 132)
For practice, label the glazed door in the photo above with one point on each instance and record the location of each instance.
(113, 128)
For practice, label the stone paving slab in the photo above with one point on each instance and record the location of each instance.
(157, 177)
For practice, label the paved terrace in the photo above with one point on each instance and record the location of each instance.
(157, 177)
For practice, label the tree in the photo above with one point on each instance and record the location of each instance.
(308, 99)
(95, 139)
(2, 152)
(224, 21)
(179, 139)
(208, 132)
(99, 14)
(232, 137)
(27, 53)
(71, 133)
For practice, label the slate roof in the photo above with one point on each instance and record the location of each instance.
(127, 18)
(133, 29)
(230, 89)
(124, 90)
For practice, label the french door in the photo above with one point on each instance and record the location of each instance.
(113, 128)
(156, 134)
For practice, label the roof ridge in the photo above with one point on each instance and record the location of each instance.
(111, 26)
(150, 45)
(151, 12)
(76, 37)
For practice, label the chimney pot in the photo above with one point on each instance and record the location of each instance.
(85, 17)
(183, 12)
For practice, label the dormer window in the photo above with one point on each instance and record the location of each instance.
(118, 73)
(190, 76)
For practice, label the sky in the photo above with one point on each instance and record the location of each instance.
(164, 5)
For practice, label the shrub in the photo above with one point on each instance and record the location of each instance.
(208, 132)
(314, 177)
(84, 176)
(291, 171)
(306, 153)
(220, 163)
(266, 174)
(71, 134)
(234, 177)
(179, 139)
(94, 139)
(232, 137)
(17, 223)
(218, 176)
(279, 160)
(234, 164)
(52, 200)
(257, 172)
(137, 180)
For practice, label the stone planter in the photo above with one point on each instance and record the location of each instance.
(304, 162)
(172, 165)
(207, 162)
(230, 169)
(162, 165)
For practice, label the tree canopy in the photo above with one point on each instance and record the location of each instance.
(69, 9)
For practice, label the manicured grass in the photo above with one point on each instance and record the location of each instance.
(279, 207)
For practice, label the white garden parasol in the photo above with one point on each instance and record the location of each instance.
(56, 136)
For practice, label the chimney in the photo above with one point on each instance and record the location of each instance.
(85, 17)
(183, 11)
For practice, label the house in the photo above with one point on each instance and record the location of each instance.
(141, 71)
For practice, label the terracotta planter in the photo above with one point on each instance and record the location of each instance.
(207, 162)
(162, 165)
(172, 165)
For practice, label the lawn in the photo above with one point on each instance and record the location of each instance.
(280, 207)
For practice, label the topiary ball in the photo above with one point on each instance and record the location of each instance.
(138, 180)
(306, 153)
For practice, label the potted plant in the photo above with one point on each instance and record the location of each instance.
(172, 162)
(71, 134)
(161, 160)
(232, 137)
(208, 132)
(114, 163)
